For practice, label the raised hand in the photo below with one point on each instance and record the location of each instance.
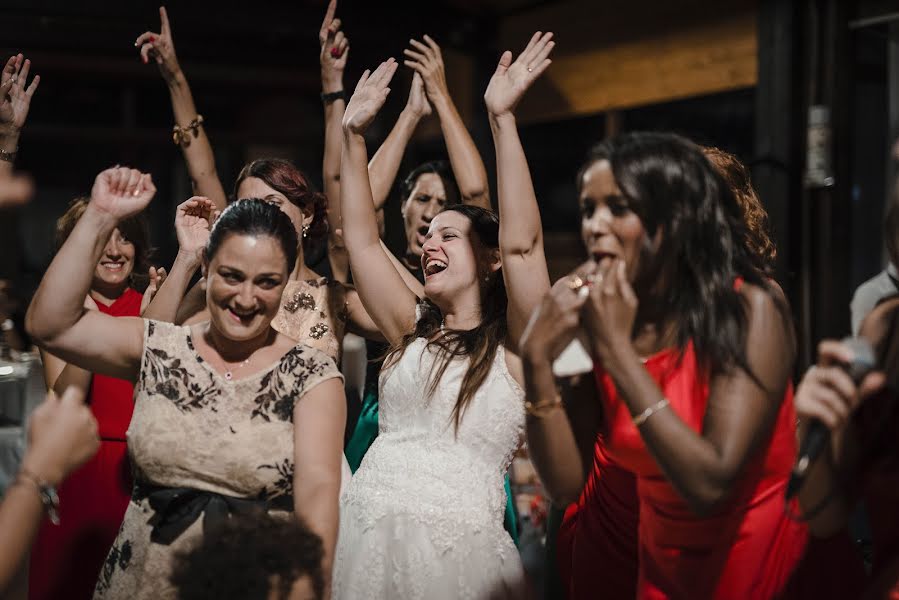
(426, 60)
(368, 97)
(610, 310)
(558, 318)
(827, 392)
(157, 278)
(62, 435)
(160, 47)
(512, 79)
(193, 221)
(121, 192)
(334, 48)
(15, 97)
(418, 104)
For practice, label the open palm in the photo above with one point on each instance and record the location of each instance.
(369, 97)
(512, 79)
(122, 192)
(15, 97)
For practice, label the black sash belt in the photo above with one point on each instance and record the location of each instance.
(176, 509)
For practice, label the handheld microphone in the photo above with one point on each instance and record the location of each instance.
(817, 435)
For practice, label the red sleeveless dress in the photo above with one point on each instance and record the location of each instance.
(632, 536)
(66, 559)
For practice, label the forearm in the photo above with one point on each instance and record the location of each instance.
(552, 444)
(21, 513)
(198, 154)
(692, 464)
(360, 226)
(822, 497)
(317, 505)
(337, 255)
(385, 164)
(72, 376)
(58, 302)
(169, 297)
(468, 167)
(409, 279)
(521, 230)
(9, 142)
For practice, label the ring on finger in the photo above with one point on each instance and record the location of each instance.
(575, 282)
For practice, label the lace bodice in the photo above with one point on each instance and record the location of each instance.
(420, 463)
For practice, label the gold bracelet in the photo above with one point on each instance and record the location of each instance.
(181, 135)
(541, 409)
(643, 416)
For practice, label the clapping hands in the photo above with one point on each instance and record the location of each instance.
(512, 79)
(368, 97)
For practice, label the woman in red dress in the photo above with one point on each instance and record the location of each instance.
(693, 347)
(66, 558)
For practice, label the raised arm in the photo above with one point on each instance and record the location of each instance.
(385, 164)
(468, 167)
(190, 134)
(385, 296)
(193, 221)
(15, 100)
(334, 48)
(520, 230)
(561, 435)
(57, 319)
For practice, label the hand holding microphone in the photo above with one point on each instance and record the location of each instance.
(828, 395)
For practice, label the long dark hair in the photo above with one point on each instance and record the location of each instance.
(689, 280)
(479, 344)
(253, 216)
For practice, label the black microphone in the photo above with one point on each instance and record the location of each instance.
(817, 435)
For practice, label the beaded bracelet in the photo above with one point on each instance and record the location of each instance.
(181, 135)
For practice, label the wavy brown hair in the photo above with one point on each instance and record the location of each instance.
(479, 344)
(737, 177)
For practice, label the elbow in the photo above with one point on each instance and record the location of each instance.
(475, 195)
(564, 490)
(37, 327)
(707, 497)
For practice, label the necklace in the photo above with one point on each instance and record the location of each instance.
(229, 374)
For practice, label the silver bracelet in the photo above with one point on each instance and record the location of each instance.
(643, 416)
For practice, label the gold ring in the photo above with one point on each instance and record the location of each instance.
(575, 282)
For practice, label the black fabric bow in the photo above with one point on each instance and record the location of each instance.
(176, 509)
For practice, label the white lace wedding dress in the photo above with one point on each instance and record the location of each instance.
(422, 517)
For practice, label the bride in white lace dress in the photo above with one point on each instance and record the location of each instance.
(423, 516)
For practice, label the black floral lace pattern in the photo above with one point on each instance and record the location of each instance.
(169, 377)
(119, 557)
(283, 485)
(275, 397)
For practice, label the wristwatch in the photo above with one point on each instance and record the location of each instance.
(332, 96)
(49, 497)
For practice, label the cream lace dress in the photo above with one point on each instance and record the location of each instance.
(197, 431)
(422, 517)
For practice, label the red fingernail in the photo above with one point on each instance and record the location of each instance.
(152, 39)
(335, 52)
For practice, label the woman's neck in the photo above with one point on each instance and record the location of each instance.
(301, 272)
(236, 350)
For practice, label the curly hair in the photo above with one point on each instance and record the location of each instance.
(135, 229)
(283, 176)
(737, 177)
(246, 558)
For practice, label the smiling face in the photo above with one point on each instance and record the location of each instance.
(453, 258)
(427, 198)
(609, 226)
(244, 281)
(253, 187)
(112, 273)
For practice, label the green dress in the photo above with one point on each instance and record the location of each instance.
(367, 430)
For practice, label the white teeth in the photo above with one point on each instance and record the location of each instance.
(434, 265)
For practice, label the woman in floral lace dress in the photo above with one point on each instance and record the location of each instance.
(231, 417)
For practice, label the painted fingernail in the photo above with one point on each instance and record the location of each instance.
(335, 52)
(152, 39)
